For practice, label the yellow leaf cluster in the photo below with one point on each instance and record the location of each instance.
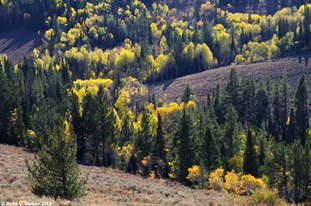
(216, 179)
(125, 154)
(144, 161)
(249, 183)
(193, 173)
(232, 182)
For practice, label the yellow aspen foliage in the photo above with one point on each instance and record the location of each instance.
(125, 154)
(219, 28)
(62, 20)
(249, 183)
(166, 112)
(160, 62)
(188, 52)
(144, 161)
(123, 99)
(216, 179)
(154, 29)
(267, 197)
(92, 85)
(236, 162)
(239, 59)
(163, 44)
(39, 63)
(204, 54)
(193, 174)
(124, 60)
(172, 174)
(153, 122)
(150, 108)
(189, 105)
(36, 53)
(232, 182)
(152, 175)
(49, 33)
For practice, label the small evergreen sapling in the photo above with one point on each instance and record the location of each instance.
(55, 172)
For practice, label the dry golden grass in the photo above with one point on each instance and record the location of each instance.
(106, 186)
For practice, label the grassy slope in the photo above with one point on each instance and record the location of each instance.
(106, 186)
(205, 82)
(19, 43)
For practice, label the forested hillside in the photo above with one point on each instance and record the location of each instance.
(85, 90)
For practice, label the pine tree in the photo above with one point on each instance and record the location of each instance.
(285, 99)
(55, 172)
(261, 105)
(232, 88)
(89, 123)
(143, 141)
(250, 164)
(76, 123)
(184, 159)
(159, 147)
(301, 104)
(107, 120)
(230, 124)
(209, 151)
(127, 130)
(298, 168)
(291, 128)
(262, 143)
(277, 167)
(187, 94)
(6, 106)
(277, 105)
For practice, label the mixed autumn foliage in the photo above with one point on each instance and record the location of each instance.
(91, 70)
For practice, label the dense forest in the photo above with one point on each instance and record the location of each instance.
(91, 72)
(116, 39)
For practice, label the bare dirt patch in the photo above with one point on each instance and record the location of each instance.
(206, 82)
(18, 44)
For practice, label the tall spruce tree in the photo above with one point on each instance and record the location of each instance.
(187, 94)
(298, 166)
(291, 128)
(143, 141)
(209, 151)
(250, 164)
(55, 172)
(262, 143)
(277, 167)
(301, 104)
(227, 140)
(6, 106)
(184, 157)
(285, 99)
(159, 146)
(89, 123)
(261, 105)
(105, 129)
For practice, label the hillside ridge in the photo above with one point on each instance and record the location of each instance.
(206, 82)
(106, 186)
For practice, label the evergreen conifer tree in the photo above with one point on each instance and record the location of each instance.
(301, 104)
(209, 151)
(105, 129)
(250, 164)
(262, 143)
(143, 142)
(55, 172)
(184, 159)
(159, 147)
